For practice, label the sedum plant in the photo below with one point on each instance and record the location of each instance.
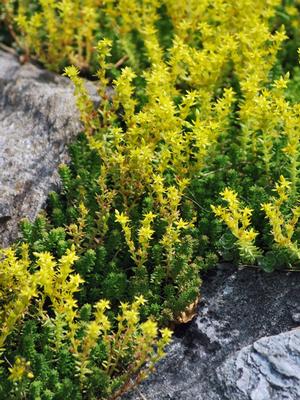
(130, 200)
(269, 140)
(45, 337)
(238, 220)
(282, 250)
(283, 221)
(53, 32)
(199, 106)
(126, 261)
(147, 163)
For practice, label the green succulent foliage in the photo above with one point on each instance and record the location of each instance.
(52, 368)
(249, 180)
(105, 263)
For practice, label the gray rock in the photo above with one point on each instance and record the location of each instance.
(237, 309)
(38, 118)
(267, 370)
(296, 317)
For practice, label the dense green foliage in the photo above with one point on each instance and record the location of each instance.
(192, 158)
(63, 350)
(76, 216)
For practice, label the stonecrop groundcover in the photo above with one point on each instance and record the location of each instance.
(190, 158)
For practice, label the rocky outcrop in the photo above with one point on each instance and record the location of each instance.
(235, 348)
(38, 118)
(268, 369)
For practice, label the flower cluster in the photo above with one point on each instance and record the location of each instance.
(283, 228)
(238, 221)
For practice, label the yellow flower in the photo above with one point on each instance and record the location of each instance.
(149, 217)
(75, 281)
(102, 305)
(166, 334)
(140, 300)
(131, 316)
(181, 224)
(121, 218)
(93, 331)
(145, 233)
(282, 82)
(20, 370)
(124, 306)
(229, 195)
(149, 328)
(71, 71)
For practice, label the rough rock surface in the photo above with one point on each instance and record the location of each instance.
(268, 369)
(235, 348)
(38, 118)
